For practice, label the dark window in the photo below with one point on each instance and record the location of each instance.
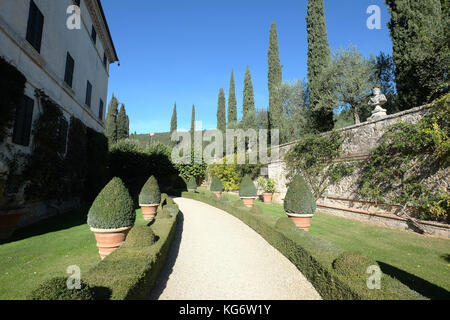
(62, 136)
(94, 35)
(70, 64)
(100, 110)
(105, 60)
(23, 120)
(77, 2)
(88, 93)
(35, 26)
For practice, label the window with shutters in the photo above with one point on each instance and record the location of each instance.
(105, 60)
(23, 121)
(94, 35)
(100, 110)
(35, 26)
(88, 94)
(70, 64)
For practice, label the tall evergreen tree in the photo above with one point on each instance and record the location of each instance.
(232, 104)
(173, 121)
(221, 112)
(249, 98)
(420, 49)
(274, 79)
(122, 124)
(318, 60)
(111, 120)
(193, 120)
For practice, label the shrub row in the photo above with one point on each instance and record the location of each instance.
(130, 272)
(323, 264)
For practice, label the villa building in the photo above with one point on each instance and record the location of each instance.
(71, 65)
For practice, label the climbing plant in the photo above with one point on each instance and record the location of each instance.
(314, 157)
(409, 154)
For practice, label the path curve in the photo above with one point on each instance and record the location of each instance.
(215, 256)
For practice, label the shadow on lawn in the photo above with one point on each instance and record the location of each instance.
(67, 220)
(415, 283)
(163, 277)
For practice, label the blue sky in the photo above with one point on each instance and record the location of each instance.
(184, 51)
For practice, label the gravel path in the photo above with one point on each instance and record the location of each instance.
(215, 256)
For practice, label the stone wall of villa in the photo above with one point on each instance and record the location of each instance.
(343, 198)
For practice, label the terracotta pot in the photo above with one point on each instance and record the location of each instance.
(302, 221)
(267, 197)
(109, 240)
(149, 211)
(218, 194)
(248, 202)
(9, 218)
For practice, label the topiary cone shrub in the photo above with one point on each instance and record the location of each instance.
(192, 185)
(216, 186)
(247, 191)
(111, 216)
(149, 198)
(299, 203)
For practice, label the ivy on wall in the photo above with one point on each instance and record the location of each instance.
(12, 85)
(408, 155)
(314, 157)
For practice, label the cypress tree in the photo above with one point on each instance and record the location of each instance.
(232, 104)
(318, 59)
(274, 79)
(111, 120)
(420, 49)
(173, 121)
(249, 99)
(122, 124)
(221, 117)
(193, 120)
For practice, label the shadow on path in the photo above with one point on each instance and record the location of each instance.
(415, 283)
(166, 271)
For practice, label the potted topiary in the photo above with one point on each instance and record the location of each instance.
(149, 198)
(247, 191)
(192, 185)
(111, 216)
(299, 203)
(216, 186)
(268, 185)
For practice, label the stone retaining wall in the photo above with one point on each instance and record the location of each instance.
(358, 141)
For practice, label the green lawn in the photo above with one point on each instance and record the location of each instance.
(45, 250)
(421, 262)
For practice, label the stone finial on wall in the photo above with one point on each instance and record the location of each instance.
(377, 100)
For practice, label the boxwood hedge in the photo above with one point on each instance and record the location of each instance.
(313, 256)
(130, 272)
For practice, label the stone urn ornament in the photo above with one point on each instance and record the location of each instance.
(377, 100)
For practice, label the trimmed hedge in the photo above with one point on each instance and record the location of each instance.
(192, 184)
(56, 289)
(312, 255)
(130, 272)
(113, 208)
(247, 188)
(150, 193)
(140, 237)
(216, 185)
(299, 198)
